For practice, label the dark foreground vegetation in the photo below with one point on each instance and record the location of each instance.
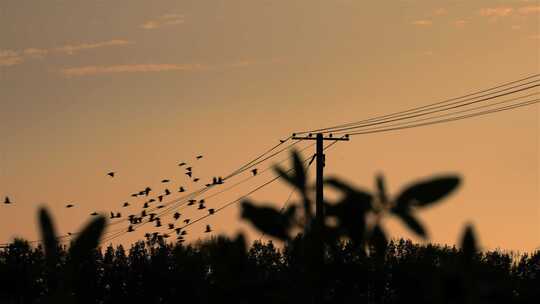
(342, 256)
(223, 271)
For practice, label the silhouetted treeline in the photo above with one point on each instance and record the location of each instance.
(223, 270)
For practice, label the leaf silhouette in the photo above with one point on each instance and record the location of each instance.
(412, 223)
(298, 176)
(88, 239)
(468, 243)
(426, 192)
(381, 190)
(48, 235)
(268, 219)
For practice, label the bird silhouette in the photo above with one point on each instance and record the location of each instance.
(189, 174)
(167, 192)
(160, 198)
(202, 201)
(171, 226)
(118, 215)
(181, 164)
(111, 174)
(254, 171)
(158, 223)
(176, 215)
(125, 204)
(199, 157)
(178, 230)
(151, 200)
(181, 189)
(69, 206)
(7, 201)
(94, 213)
(130, 228)
(208, 229)
(165, 180)
(142, 192)
(189, 169)
(134, 195)
(183, 232)
(143, 213)
(112, 215)
(145, 205)
(196, 179)
(160, 206)
(147, 190)
(186, 221)
(211, 211)
(282, 140)
(201, 206)
(191, 202)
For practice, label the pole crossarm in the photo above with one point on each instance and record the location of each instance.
(343, 138)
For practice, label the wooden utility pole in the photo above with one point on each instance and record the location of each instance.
(320, 159)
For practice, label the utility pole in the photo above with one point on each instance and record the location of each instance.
(317, 235)
(320, 159)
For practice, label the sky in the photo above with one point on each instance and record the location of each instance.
(88, 87)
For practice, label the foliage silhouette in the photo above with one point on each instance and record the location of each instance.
(360, 265)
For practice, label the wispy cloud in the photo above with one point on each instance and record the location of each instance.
(501, 11)
(532, 9)
(164, 20)
(10, 58)
(422, 22)
(93, 70)
(72, 49)
(460, 23)
(129, 68)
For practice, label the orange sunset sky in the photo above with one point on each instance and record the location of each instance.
(137, 86)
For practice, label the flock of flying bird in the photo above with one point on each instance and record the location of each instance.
(140, 216)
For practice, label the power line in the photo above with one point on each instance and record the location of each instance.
(523, 104)
(438, 110)
(447, 114)
(396, 114)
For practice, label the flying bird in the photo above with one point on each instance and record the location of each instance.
(94, 213)
(199, 157)
(167, 192)
(171, 226)
(208, 229)
(151, 200)
(126, 204)
(188, 169)
(160, 206)
(191, 202)
(160, 198)
(181, 189)
(254, 171)
(69, 206)
(176, 215)
(181, 164)
(165, 180)
(189, 174)
(111, 174)
(7, 201)
(196, 179)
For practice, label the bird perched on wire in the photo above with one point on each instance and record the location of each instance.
(201, 206)
(186, 221)
(7, 201)
(211, 211)
(147, 190)
(254, 171)
(69, 206)
(191, 202)
(208, 229)
(111, 174)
